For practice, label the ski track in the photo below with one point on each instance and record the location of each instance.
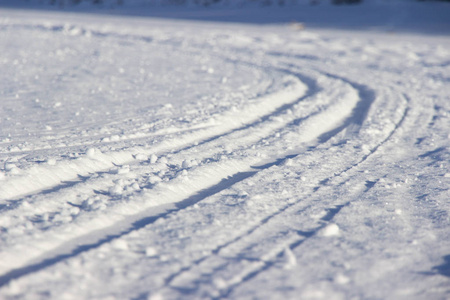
(357, 117)
(232, 179)
(243, 258)
(267, 261)
(263, 118)
(95, 173)
(192, 142)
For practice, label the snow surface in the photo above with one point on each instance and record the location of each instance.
(152, 158)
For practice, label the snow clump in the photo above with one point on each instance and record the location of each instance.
(141, 156)
(329, 230)
(151, 252)
(51, 161)
(290, 259)
(91, 152)
(153, 158)
(120, 244)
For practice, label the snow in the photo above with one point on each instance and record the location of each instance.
(202, 153)
(329, 230)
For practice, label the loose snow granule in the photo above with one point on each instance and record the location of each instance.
(154, 179)
(141, 156)
(119, 245)
(51, 161)
(47, 127)
(73, 211)
(329, 230)
(2, 175)
(116, 190)
(153, 158)
(10, 166)
(185, 164)
(219, 283)
(398, 211)
(155, 297)
(164, 258)
(291, 260)
(288, 162)
(151, 252)
(447, 175)
(341, 279)
(115, 138)
(91, 152)
(365, 149)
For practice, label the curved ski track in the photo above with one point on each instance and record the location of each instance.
(225, 158)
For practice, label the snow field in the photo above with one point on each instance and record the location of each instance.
(316, 169)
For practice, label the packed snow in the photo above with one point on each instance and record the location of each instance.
(208, 153)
